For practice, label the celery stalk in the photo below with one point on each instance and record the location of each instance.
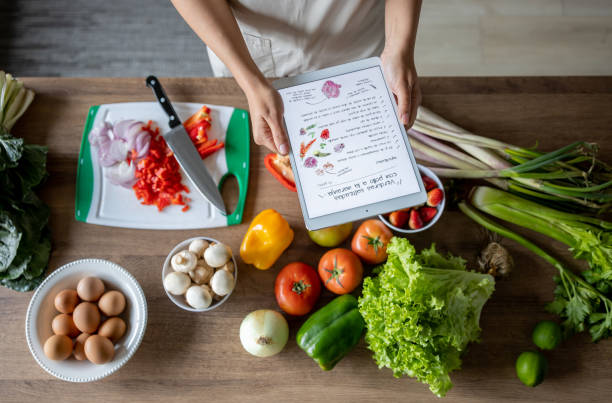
(580, 304)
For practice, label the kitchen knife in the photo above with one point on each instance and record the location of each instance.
(184, 151)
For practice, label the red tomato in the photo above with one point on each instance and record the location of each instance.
(297, 288)
(370, 241)
(341, 270)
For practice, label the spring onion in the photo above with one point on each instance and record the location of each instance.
(570, 177)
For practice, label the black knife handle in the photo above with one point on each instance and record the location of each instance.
(162, 98)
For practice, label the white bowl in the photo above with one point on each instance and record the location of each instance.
(179, 300)
(42, 310)
(427, 172)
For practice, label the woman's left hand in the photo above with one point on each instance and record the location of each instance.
(401, 75)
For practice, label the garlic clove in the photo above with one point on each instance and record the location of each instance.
(184, 261)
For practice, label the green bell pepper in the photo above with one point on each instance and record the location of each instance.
(332, 331)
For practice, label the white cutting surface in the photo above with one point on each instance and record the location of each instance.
(117, 206)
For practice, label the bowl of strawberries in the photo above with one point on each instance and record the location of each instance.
(419, 218)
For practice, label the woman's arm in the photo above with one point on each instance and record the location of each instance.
(214, 23)
(401, 23)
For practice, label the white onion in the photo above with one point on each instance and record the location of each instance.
(264, 333)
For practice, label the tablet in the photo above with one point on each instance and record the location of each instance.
(349, 152)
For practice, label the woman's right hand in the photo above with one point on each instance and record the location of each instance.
(266, 109)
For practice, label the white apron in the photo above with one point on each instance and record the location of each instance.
(289, 37)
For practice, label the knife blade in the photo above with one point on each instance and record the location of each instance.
(184, 151)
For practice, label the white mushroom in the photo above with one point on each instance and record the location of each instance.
(207, 288)
(201, 274)
(177, 283)
(184, 261)
(217, 255)
(228, 267)
(197, 247)
(198, 297)
(222, 282)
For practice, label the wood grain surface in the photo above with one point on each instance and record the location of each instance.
(198, 357)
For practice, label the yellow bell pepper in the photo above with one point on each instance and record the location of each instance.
(267, 237)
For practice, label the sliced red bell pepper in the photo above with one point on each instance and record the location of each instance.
(286, 182)
(201, 115)
(208, 151)
(207, 144)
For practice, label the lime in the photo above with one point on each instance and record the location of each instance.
(547, 335)
(531, 367)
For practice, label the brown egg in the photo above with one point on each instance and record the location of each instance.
(58, 347)
(112, 303)
(112, 328)
(79, 346)
(64, 325)
(66, 300)
(99, 349)
(86, 317)
(90, 288)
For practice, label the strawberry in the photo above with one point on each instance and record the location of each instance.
(399, 218)
(415, 221)
(427, 213)
(434, 197)
(428, 183)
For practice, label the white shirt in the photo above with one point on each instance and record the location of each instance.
(289, 37)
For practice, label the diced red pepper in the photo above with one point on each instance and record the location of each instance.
(159, 180)
(158, 175)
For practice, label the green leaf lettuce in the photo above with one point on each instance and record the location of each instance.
(421, 312)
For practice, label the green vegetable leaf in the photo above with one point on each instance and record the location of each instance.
(557, 306)
(40, 256)
(421, 312)
(23, 284)
(11, 149)
(32, 167)
(577, 310)
(9, 240)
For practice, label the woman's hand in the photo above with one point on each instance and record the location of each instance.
(266, 109)
(400, 72)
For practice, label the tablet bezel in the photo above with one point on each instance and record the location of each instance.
(355, 213)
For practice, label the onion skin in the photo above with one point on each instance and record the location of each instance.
(264, 333)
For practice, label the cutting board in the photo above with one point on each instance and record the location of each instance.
(100, 202)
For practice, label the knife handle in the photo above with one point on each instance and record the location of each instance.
(162, 98)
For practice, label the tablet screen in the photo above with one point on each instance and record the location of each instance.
(348, 148)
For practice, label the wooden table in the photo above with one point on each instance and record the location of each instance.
(199, 356)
